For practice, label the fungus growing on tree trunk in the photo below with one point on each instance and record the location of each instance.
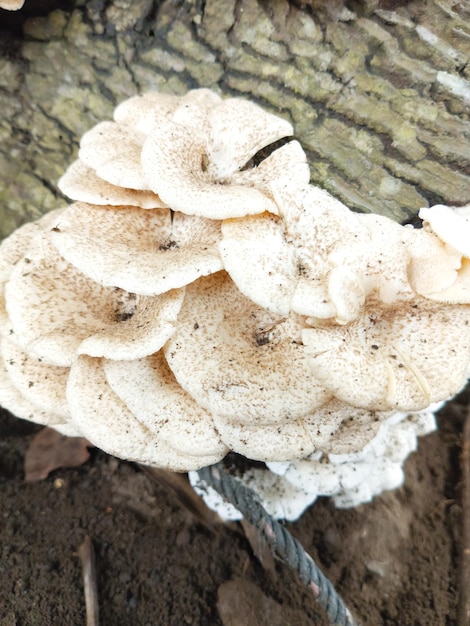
(200, 297)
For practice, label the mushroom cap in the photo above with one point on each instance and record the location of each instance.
(141, 113)
(433, 265)
(385, 271)
(356, 428)
(15, 246)
(112, 149)
(440, 269)
(238, 130)
(287, 161)
(174, 163)
(391, 358)
(459, 291)
(104, 419)
(376, 266)
(80, 182)
(185, 149)
(144, 252)
(150, 391)
(113, 152)
(321, 227)
(57, 312)
(285, 264)
(260, 260)
(193, 160)
(270, 442)
(450, 224)
(40, 384)
(14, 401)
(108, 170)
(334, 426)
(372, 261)
(13, 249)
(247, 365)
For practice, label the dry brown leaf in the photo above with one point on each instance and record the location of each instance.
(241, 602)
(49, 450)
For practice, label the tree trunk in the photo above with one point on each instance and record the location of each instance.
(379, 97)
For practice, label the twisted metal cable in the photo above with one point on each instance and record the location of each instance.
(285, 547)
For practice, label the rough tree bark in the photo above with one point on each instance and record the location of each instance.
(379, 96)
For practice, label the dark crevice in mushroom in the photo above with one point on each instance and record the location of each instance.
(414, 221)
(263, 338)
(302, 270)
(126, 305)
(168, 245)
(236, 464)
(123, 317)
(204, 162)
(263, 154)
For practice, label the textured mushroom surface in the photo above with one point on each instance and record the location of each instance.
(201, 297)
(350, 479)
(318, 259)
(391, 358)
(56, 312)
(451, 225)
(192, 153)
(239, 354)
(153, 251)
(102, 415)
(101, 192)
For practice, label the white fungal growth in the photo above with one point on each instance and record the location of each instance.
(350, 479)
(200, 297)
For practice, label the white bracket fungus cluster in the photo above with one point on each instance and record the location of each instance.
(199, 296)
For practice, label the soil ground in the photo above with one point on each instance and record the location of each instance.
(394, 560)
